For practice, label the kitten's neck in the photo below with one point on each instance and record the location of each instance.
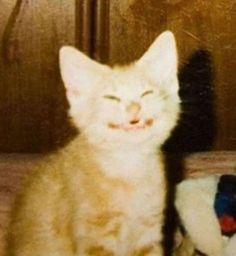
(128, 164)
(126, 161)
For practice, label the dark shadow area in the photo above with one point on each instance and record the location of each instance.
(196, 130)
(63, 129)
(174, 173)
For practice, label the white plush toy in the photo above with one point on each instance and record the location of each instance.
(207, 209)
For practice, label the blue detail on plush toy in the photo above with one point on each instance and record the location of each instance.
(225, 204)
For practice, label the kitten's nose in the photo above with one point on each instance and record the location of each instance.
(133, 108)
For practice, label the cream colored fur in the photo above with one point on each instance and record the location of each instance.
(104, 193)
(195, 205)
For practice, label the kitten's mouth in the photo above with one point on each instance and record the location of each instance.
(132, 127)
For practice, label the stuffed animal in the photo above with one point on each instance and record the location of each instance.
(207, 210)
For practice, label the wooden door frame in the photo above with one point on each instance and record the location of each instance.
(92, 28)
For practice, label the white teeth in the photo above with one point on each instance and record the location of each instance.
(141, 125)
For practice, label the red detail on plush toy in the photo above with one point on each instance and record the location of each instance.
(227, 223)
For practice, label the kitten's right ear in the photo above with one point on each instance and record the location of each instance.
(160, 61)
(79, 72)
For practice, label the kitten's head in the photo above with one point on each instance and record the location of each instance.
(138, 103)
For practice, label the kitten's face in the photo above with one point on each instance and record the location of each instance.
(137, 103)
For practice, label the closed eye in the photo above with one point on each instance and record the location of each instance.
(147, 93)
(112, 97)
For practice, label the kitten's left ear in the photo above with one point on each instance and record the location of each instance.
(78, 71)
(160, 60)
(81, 76)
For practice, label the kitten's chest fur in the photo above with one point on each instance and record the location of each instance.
(116, 198)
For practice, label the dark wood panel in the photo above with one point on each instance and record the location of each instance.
(32, 102)
(84, 25)
(92, 28)
(206, 37)
(101, 31)
(209, 26)
(133, 26)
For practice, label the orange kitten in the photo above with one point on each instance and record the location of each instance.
(104, 193)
